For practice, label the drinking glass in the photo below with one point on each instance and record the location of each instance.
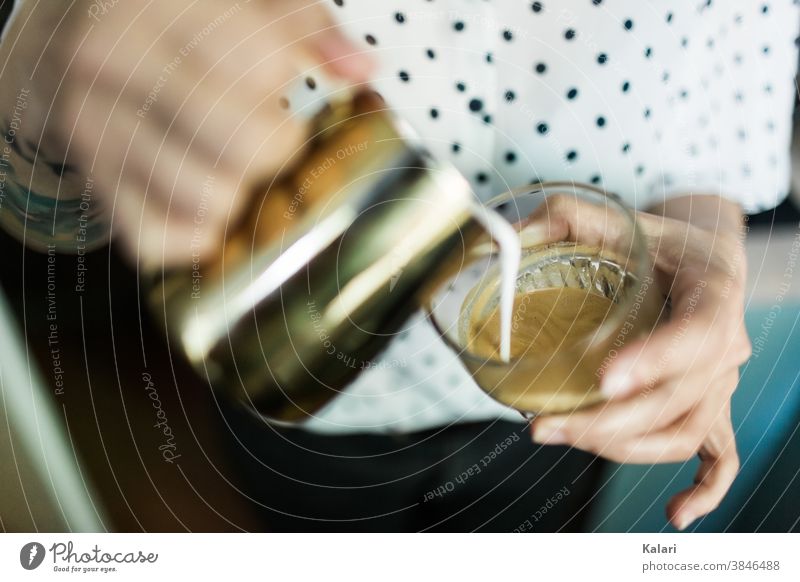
(583, 246)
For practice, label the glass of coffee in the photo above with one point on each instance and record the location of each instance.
(583, 290)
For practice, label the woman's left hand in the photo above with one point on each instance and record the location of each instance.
(669, 393)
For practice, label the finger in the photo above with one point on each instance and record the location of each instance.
(699, 342)
(564, 216)
(284, 34)
(143, 221)
(244, 132)
(147, 233)
(719, 466)
(177, 174)
(681, 440)
(230, 121)
(598, 428)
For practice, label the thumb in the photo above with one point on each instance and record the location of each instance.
(329, 46)
(341, 57)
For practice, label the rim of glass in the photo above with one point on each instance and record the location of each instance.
(638, 252)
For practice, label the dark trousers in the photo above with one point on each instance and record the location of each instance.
(485, 476)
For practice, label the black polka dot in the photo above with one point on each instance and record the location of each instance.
(600, 121)
(508, 35)
(487, 119)
(648, 52)
(537, 7)
(456, 147)
(665, 77)
(542, 128)
(602, 59)
(458, 26)
(489, 57)
(311, 83)
(404, 76)
(626, 86)
(647, 113)
(685, 41)
(510, 96)
(475, 105)
(639, 170)
(339, 2)
(595, 179)
(628, 24)
(764, 9)
(626, 147)
(669, 17)
(572, 93)
(481, 177)
(461, 86)
(511, 157)
(765, 50)
(370, 39)
(571, 156)
(684, 94)
(434, 113)
(541, 68)
(400, 17)
(597, 2)
(431, 54)
(569, 34)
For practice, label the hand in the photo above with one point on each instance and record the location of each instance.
(174, 108)
(669, 393)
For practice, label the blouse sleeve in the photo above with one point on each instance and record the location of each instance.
(731, 124)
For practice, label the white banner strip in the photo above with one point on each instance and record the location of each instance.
(401, 557)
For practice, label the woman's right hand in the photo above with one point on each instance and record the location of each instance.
(174, 109)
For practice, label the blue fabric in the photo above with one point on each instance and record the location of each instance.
(766, 416)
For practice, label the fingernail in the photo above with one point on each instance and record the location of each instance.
(548, 434)
(342, 56)
(616, 383)
(684, 521)
(533, 234)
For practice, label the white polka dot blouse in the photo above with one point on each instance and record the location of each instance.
(648, 99)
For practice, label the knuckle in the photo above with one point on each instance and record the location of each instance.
(731, 468)
(746, 349)
(687, 446)
(590, 446)
(619, 455)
